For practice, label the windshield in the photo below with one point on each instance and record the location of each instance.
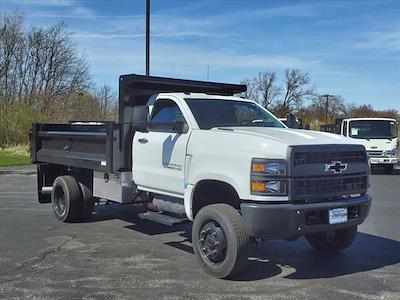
(373, 129)
(210, 113)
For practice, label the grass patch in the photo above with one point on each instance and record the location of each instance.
(14, 156)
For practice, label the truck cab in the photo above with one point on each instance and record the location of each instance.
(192, 150)
(378, 135)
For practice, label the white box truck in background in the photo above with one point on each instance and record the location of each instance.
(379, 137)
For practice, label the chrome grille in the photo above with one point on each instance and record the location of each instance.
(374, 153)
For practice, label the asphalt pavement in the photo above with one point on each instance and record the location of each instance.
(118, 256)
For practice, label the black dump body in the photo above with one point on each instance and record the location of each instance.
(107, 146)
(88, 146)
(332, 128)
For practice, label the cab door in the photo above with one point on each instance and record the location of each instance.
(159, 155)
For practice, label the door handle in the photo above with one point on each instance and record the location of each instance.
(143, 140)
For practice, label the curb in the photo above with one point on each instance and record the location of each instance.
(16, 172)
(23, 170)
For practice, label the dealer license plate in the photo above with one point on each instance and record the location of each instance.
(337, 215)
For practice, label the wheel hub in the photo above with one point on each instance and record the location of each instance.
(212, 242)
(330, 235)
(60, 201)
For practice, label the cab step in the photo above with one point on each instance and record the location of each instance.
(162, 218)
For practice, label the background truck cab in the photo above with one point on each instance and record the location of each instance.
(378, 135)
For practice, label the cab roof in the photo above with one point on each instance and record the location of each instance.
(136, 90)
(365, 119)
(204, 96)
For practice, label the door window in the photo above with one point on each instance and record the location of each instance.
(166, 111)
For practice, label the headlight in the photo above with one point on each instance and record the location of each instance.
(268, 187)
(268, 177)
(268, 167)
(390, 153)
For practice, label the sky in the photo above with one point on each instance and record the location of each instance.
(349, 48)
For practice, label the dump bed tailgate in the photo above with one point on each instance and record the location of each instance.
(91, 146)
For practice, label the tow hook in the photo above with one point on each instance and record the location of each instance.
(256, 240)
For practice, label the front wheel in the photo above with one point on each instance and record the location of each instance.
(220, 240)
(333, 240)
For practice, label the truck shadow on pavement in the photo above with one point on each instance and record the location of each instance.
(286, 259)
(381, 171)
(297, 260)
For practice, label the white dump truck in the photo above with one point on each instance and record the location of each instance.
(379, 137)
(191, 150)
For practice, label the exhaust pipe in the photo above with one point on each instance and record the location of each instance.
(166, 206)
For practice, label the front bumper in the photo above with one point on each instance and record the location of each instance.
(286, 221)
(383, 160)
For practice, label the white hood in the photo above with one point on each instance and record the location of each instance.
(295, 136)
(377, 144)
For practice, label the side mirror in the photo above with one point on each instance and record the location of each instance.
(180, 127)
(140, 113)
(291, 121)
(141, 126)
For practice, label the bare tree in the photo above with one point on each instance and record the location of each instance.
(40, 70)
(98, 105)
(251, 92)
(336, 107)
(11, 40)
(298, 88)
(318, 108)
(39, 61)
(263, 89)
(349, 109)
(267, 88)
(107, 102)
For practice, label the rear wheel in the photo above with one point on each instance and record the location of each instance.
(333, 240)
(220, 240)
(66, 199)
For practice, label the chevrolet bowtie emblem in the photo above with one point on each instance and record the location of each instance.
(374, 147)
(335, 167)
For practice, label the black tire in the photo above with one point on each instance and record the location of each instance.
(388, 169)
(66, 199)
(87, 202)
(232, 254)
(332, 241)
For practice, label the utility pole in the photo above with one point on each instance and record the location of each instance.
(326, 110)
(147, 37)
(326, 107)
